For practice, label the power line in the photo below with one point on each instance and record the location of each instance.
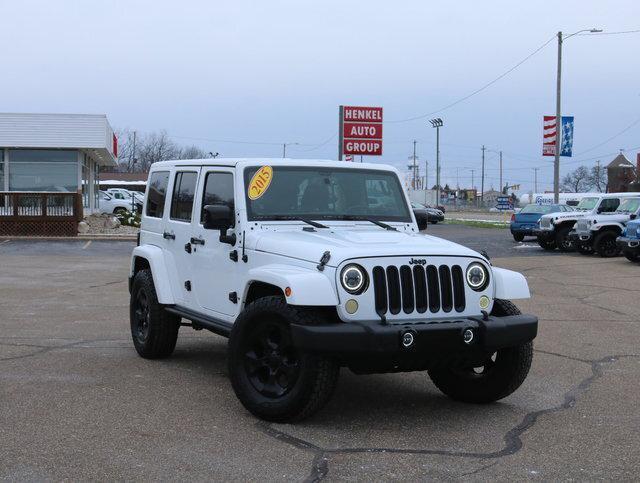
(477, 91)
(611, 138)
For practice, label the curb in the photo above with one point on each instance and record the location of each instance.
(71, 238)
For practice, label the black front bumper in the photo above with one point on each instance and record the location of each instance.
(380, 344)
(581, 238)
(628, 244)
(545, 235)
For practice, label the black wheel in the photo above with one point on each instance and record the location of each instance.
(422, 226)
(518, 237)
(563, 242)
(548, 245)
(501, 374)
(271, 378)
(154, 330)
(584, 249)
(605, 244)
(631, 255)
(434, 222)
(119, 210)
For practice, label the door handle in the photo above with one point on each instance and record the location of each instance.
(168, 236)
(197, 241)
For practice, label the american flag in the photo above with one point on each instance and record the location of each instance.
(550, 134)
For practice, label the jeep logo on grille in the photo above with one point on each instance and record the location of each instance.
(417, 261)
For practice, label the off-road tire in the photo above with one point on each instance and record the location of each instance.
(631, 256)
(119, 210)
(547, 245)
(604, 244)
(584, 249)
(158, 338)
(507, 373)
(317, 375)
(562, 239)
(518, 237)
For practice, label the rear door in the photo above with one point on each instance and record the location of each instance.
(177, 233)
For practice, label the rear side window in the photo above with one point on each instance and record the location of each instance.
(184, 189)
(158, 183)
(218, 190)
(608, 205)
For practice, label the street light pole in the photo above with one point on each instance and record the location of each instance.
(284, 148)
(437, 124)
(556, 162)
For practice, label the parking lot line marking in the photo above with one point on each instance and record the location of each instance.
(87, 244)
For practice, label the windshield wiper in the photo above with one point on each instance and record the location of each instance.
(370, 220)
(315, 224)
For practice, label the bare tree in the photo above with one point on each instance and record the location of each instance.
(577, 181)
(598, 178)
(192, 152)
(154, 147)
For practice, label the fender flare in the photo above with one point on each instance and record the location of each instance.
(510, 285)
(601, 227)
(153, 255)
(308, 287)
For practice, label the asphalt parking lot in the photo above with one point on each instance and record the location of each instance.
(77, 403)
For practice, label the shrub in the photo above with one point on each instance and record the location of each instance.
(129, 218)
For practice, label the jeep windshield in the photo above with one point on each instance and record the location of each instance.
(587, 204)
(318, 193)
(630, 205)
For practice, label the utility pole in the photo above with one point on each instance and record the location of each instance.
(535, 180)
(284, 149)
(598, 175)
(501, 171)
(414, 166)
(132, 164)
(482, 182)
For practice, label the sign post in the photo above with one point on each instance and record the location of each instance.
(360, 131)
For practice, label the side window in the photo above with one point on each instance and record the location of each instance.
(184, 189)
(158, 182)
(218, 190)
(609, 204)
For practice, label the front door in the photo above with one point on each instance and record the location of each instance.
(214, 272)
(178, 231)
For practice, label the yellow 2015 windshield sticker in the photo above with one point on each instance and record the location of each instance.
(260, 182)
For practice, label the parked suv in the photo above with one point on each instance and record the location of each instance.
(554, 228)
(629, 241)
(526, 220)
(306, 272)
(598, 233)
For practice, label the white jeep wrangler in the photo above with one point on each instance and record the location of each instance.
(308, 266)
(554, 229)
(598, 233)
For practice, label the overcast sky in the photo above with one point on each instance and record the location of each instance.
(276, 71)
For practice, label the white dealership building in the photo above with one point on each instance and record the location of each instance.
(56, 153)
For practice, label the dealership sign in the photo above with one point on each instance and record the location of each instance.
(360, 131)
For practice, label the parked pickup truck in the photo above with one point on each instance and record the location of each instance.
(305, 272)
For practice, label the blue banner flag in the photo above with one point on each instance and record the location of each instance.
(566, 147)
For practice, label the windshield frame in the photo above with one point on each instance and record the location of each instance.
(248, 170)
(595, 205)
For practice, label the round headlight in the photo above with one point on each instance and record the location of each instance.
(477, 276)
(354, 279)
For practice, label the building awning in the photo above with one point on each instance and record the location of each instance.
(90, 133)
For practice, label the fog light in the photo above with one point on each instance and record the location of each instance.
(351, 306)
(484, 302)
(467, 336)
(408, 339)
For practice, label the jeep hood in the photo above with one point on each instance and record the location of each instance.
(351, 243)
(572, 215)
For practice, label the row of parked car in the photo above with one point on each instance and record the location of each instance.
(606, 224)
(426, 214)
(120, 200)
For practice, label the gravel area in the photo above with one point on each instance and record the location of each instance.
(106, 224)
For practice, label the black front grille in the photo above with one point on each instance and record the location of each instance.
(418, 289)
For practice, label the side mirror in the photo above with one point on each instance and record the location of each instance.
(220, 217)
